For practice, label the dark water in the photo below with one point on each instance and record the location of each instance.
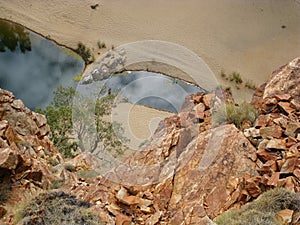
(146, 88)
(32, 67)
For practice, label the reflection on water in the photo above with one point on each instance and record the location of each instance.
(13, 36)
(151, 89)
(33, 75)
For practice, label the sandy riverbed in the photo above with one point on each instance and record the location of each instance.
(251, 37)
(236, 35)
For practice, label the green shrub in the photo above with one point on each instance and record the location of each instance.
(223, 74)
(78, 77)
(84, 52)
(57, 184)
(261, 211)
(56, 208)
(235, 114)
(236, 77)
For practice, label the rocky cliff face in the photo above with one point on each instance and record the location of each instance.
(203, 169)
(26, 154)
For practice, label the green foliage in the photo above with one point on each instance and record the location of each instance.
(13, 36)
(78, 77)
(84, 52)
(235, 114)
(56, 208)
(57, 184)
(236, 77)
(59, 117)
(262, 211)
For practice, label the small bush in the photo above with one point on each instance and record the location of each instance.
(236, 77)
(223, 74)
(263, 210)
(56, 208)
(78, 77)
(84, 52)
(235, 114)
(57, 184)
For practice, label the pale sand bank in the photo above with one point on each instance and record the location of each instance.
(243, 36)
(139, 122)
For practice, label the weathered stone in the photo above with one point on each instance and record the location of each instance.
(292, 129)
(8, 159)
(285, 216)
(281, 122)
(266, 155)
(262, 121)
(253, 188)
(273, 179)
(3, 126)
(283, 97)
(289, 165)
(285, 81)
(286, 107)
(271, 101)
(208, 100)
(122, 219)
(295, 104)
(197, 98)
(40, 119)
(273, 131)
(18, 104)
(252, 132)
(276, 144)
(154, 219)
(3, 211)
(6, 96)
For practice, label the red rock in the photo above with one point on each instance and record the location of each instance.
(262, 121)
(3, 211)
(283, 97)
(154, 219)
(295, 104)
(271, 101)
(197, 98)
(273, 180)
(265, 155)
(268, 167)
(121, 219)
(276, 144)
(285, 216)
(296, 172)
(8, 159)
(292, 129)
(200, 107)
(208, 100)
(273, 131)
(285, 81)
(281, 121)
(289, 166)
(286, 107)
(253, 188)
